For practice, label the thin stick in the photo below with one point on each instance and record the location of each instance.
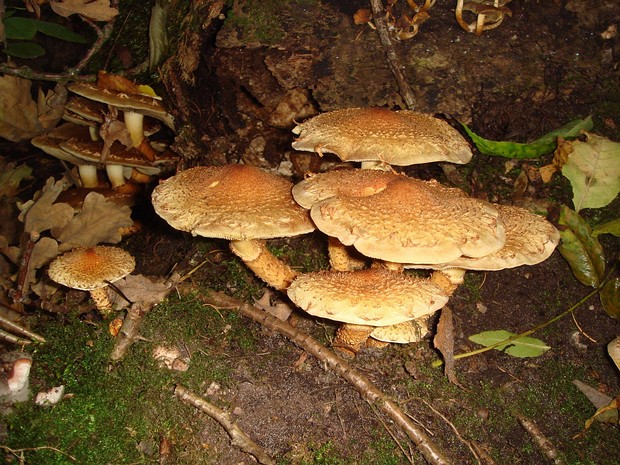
(364, 386)
(14, 327)
(130, 330)
(390, 52)
(239, 438)
(12, 338)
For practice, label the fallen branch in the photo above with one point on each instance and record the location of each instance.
(18, 329)
(365, 386)
(239, 438)
(378, 15)
(130, 330)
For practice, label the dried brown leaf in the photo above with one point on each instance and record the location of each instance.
(148, 291)
(98, 222)
(444, 343)
(41, 213)
(97, 10)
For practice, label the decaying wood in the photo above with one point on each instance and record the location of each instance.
(129, 330)
(239, 438)
(431, 452)
(378, 15)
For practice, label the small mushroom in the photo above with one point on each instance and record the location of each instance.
(92, 269)
(50, 144)
(489, 14)
(364, 300)
(241, 203)
(382, 136)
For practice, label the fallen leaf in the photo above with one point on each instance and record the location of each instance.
(11, 176)
(611, 227)
(521, 347)
(21, 118)
(97, 222)
(97, 10)
(593, 169)
(42, 213)
(43, 252)
(610, 297)
(580, 248)
(444, 343)
(139, 288)
(280, 310)
(158, 38)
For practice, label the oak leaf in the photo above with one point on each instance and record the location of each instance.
(97, 10)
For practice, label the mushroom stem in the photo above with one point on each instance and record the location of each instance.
(449, 279)
(115, 175)
(263, 263)
(102, 300)
(350, 338)
(339, 257)
(88, 175)
(135, 125)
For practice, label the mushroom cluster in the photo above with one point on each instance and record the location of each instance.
(108, 124)
(400, 222)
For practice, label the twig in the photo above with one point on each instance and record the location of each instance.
(11, 326)
(129, 331)
(19, 452)
(365, 386)
(392, 58)
(239, 438)
(12, 338)
(540, 439)
(19, 295)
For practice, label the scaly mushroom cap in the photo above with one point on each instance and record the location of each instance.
(398, 138)
(352, 182)
(530, 239)
(413, 221)
(89, 268)
(236, 202)
(373, 297)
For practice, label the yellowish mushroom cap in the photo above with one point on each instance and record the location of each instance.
(89, 268)
(398, 138)
(373, 297)
(413, 221)
(530, 239)
(237, 202)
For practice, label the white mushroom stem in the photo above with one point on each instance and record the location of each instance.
(18, 377)
(115, 175)
(350, 338)
(448, 279)
(94, 133)
(135, 125)
(88, 175)
(102, 300)
(263, 263)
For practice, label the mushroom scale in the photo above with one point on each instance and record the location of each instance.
(398, 138)
(412, 221)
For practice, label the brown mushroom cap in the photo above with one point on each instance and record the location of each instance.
(398, 138)
(530, 239)
(351, 182)
(89, 268)
(50, 141)
(138, 103)
(237, 202)
(413, 221)
(374, 297)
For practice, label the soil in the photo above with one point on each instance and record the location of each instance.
(244, 72)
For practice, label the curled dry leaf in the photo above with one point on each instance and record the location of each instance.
(99, 221)
(138, 288)
(41, 213)
(97, 10)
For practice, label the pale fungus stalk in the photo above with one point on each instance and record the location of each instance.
(263, 263)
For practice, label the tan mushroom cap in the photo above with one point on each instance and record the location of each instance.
(236, 202)
(530, 239)
(413, 221)
(50, 141)
(398, 138)
(373, 297)
(143, 104)
(402, 333)
(90, 268)
(350, 182)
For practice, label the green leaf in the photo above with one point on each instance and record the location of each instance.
(611, 227)
(521, 347)
(24, 50)
(593, 169)
(544, 144)
(18, 28)
(610, 297)
(60, 32)
(580, 248)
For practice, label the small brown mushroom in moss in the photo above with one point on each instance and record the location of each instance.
(92, 269)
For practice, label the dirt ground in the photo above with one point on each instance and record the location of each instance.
(243, 73)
